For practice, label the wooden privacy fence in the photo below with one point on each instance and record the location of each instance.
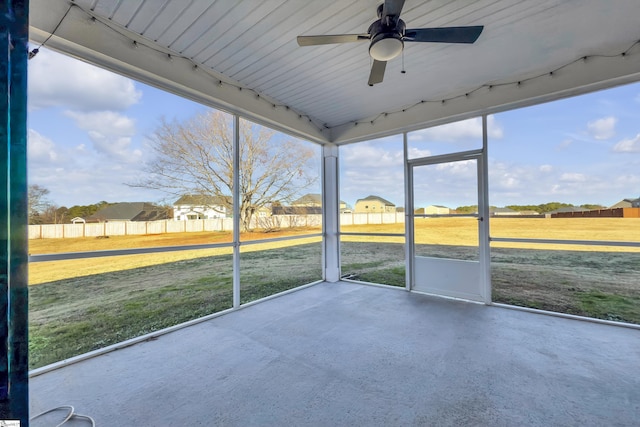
(129, 228)
(601, 213)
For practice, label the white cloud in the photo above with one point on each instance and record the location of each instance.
(471, 128)
(85, 179)
(627, 181)
(58, 80)
(628, 145)
(105, 122)
(416, 153)
(465, 168)
(449, 184)
(372, 168)
(517, 183)
(573, 177)
(110, 132)
(84, 149)
(368, 155)
(76, 175)
(564, 144)
(40, 149)
(506, 178)
(602, 129)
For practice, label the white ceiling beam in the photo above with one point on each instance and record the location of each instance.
(583, 76)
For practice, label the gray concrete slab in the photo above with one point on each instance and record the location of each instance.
(344, 354)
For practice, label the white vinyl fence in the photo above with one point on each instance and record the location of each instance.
(127, 228)
(371, 218)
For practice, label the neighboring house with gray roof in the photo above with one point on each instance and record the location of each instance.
(197, 206)
(310, 199)
(494, 211)
(129, 211)
(568, 209)
(374, 204)
(627, 203)
(314, 200)
(296, 210)
(437, 210)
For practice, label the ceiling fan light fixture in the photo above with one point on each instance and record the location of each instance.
(387, 35)
(385, 47)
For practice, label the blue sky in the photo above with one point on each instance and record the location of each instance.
(578, 150)
(89, 134)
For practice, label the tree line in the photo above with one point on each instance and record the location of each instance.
(44, 211)
(541, 208)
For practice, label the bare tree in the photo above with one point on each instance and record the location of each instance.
(53, 214)
(196, 157)
(38, 202)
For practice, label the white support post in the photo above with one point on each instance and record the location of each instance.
(483, 211)
(236, 211)
(408, 216)
(331, 213)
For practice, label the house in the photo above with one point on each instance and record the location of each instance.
(309, 204)
(627, 203)
(374, 204)
(310, 199)
(568, 209)
(314, 199)
(264, 212)
(129, 211)
(200, 206)
(296, 210)
(502, 211)
(437, 210)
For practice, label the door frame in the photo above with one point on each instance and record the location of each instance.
(484, 259)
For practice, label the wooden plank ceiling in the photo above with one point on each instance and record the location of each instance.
(242, 55)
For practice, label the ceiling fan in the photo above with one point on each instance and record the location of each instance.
(388, 34)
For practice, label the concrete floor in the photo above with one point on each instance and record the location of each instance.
(343, 354)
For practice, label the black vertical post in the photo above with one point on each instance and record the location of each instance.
(14, 345)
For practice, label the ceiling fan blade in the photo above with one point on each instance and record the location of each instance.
(444, 34)
(330, 39)
(392, 8)
(377, 72)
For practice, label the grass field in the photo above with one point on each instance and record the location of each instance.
(80, 314)
(80, 305)
(59, 270)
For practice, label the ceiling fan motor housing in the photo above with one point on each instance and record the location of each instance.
(387, 36)
(386, 40)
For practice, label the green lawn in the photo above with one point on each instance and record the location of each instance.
(74, 316)
(77, 315)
